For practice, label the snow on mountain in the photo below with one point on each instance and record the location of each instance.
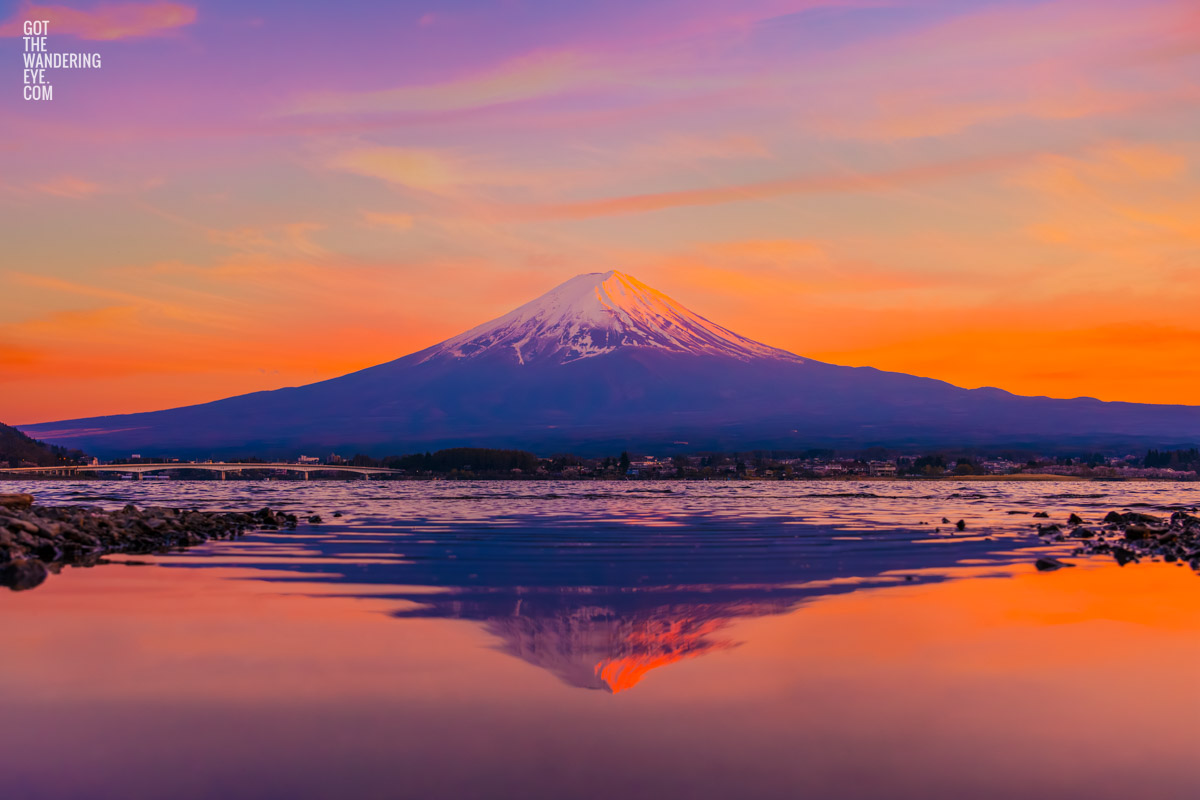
(598, 313)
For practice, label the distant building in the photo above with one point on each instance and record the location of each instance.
(308, 460)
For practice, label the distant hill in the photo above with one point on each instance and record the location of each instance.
(17, 449)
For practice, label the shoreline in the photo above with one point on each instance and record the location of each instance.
(38, 540)
(1034, 477)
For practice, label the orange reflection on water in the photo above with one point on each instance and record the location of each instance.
(1074, 683)
(656, 644)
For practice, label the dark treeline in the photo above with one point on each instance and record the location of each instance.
(461, 459)
(1174, 459)
(17, 449)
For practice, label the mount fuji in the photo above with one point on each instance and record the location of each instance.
(602, 363)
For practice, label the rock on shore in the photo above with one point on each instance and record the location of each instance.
(37, 540)
(1132, 536)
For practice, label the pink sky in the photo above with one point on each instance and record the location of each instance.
(252, 195)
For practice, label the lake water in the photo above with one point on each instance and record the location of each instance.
(605, 640)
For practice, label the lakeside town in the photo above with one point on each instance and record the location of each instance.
(483, 463)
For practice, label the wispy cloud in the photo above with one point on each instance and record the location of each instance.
(677, 147)
(823, 183)
(106, 21)
(523, 78)
(446, 173)
(393, 220)
(1125, 207)
(68, 186)
(1058, 61)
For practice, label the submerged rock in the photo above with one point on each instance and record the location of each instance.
(1135, 532)
(1049, 564)
(1175, 541)
(1131, 518)
(24, 573)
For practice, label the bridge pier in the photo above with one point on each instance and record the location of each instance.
(222, 474)
(139, 475)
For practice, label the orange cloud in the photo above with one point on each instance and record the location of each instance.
(772, 250)
(68, 186)
(292, 239)
(1051, 61)
(418, 169)
(446, 173)
(107, 21)
(690, 147)
(524, 78)
(395, 221)
(830, 183)
(1135, 205)
(915, 114)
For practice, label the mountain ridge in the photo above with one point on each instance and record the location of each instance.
(602, 362)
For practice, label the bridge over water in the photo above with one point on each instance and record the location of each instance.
(221, 467)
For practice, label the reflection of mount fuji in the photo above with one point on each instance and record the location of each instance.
(594, 647)
(600, 603)
(610, 641)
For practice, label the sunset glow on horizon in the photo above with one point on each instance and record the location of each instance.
(254, 195)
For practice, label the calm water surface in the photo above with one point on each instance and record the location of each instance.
(542, 639)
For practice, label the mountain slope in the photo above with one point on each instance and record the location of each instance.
(17, 449)
(604, 362)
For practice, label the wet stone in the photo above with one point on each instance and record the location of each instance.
(23, 574)
(1175, 541)
(38, 540)
(16, 500)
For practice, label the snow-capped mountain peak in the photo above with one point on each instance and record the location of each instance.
(597, 313)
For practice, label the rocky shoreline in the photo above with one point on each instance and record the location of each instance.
(1131, 536)
(38, 540)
